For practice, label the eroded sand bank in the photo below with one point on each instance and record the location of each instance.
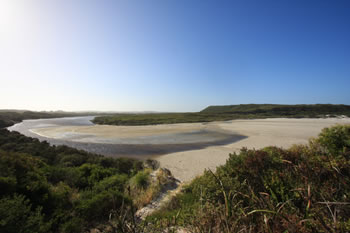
(186, 165)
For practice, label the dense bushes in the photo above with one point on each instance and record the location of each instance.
(140, 180)
(336, 141)
(59, 189)
(17, 215)
(302, 189)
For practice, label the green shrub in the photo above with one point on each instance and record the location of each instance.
(74, 225)
(7, 185)
(16, 215)
(336, 140)
(140, 180)
(98, 206)
(69, 175)
(58, 188)
(116, 182)
(73, 160)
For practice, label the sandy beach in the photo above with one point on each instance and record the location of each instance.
(279, 132)
(188, 164)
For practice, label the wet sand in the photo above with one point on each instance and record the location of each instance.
(141, 142)
(111, 131)
(186, 149)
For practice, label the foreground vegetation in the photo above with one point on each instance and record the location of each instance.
(302, 189)
(59, 189)
(223, 113)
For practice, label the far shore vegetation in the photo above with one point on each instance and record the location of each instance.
(10, 117)
(229, 112)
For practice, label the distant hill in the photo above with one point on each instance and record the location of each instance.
(301, 110)
(229, 112)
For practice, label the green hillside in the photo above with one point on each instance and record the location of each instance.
(229, 112)
(280, 110)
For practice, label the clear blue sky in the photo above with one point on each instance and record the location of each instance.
(172, 55)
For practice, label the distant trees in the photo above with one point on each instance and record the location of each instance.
(229, 112)
(8, 118)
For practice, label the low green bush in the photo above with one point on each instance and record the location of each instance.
(18, 216)
(60, 189)
(98, 206)
(336, 140)
(140, 180)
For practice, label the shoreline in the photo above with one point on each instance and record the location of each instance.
(138, 142)
(187, 163)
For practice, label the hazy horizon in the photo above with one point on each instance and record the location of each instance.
(136, 111)
(172, 56)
